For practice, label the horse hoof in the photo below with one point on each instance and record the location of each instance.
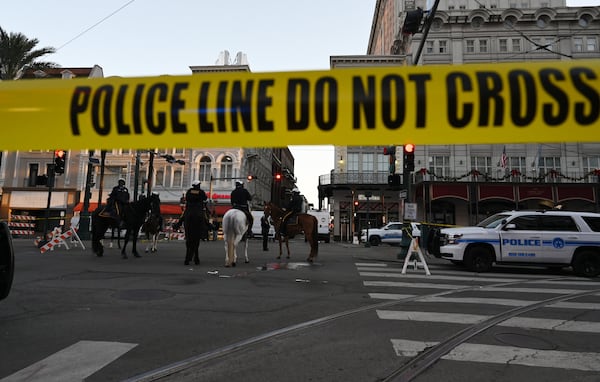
(227, 265)
(197, 262)
(233, 264)
(309, 260)
(186, 263)
(124, 256)
(136, 255)
(247, 261)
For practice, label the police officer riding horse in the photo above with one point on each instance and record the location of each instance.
(240, 199)
(118, 198)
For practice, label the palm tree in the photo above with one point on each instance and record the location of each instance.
(17, 53)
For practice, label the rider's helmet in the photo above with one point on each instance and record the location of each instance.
(196, 183)
(295, 190)
(121, 181)
(239, 184)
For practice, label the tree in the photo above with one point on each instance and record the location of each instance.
(17, 52)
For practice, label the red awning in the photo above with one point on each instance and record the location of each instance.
(165, 209)
(449, 191)
(535, 192)
(219, 209)
(496, 191)
(575, 192)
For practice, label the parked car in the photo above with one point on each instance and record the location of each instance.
(555, 239)
(391, 233)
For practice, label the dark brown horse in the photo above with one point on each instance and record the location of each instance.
(300, 223)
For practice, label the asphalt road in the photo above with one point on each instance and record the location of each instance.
(351, 316)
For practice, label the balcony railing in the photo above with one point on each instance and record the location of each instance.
(507, 175)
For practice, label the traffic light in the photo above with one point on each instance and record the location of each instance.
(356, 203)
(412, 22)
(389, 150)
(60, 157)
(277, 177)
(250, 177)
(409, 157)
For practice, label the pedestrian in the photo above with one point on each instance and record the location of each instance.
(265, 226)
(194, 220)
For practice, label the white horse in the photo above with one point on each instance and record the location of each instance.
(235, 225)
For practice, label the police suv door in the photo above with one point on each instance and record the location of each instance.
(521, 240)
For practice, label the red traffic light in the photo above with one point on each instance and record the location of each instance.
(356, 202)
(250, 177)
(409, 148)
(278, 176)
(59, 153)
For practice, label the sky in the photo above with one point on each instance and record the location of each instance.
(132, 38)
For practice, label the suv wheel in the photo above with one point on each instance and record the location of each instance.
(374, 241)
(587, 264)
(479, 259)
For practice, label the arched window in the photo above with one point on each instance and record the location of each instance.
(205, 169)
(226, 167)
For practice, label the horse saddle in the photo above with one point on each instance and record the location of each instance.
(293, 220)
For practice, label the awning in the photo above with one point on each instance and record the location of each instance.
(165, 209)
(219, 209)
(575, 192)
(535, 192)
(460, 191)
(496, 191)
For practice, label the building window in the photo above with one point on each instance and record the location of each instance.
(450, 7)
(443, 46)
(429, 46)
(592, 44)
(462, 7)
(503, 45)
(543, 21)
(353, 162)
(483, 165)
(160, 177)
(516, 45)
(524, 4)
(585, 20)
(578, 44)
(367, 162)
(545, 165)
(512, 4)
(383, 163)
(590, 164)
(510, 21)
(483, 46)
(477, 22)
(177, 178)
(470, 46)
(205, 169)
(440, 165)
(227, 167)
(34, 169)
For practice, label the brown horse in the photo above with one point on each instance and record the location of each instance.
(306, 224)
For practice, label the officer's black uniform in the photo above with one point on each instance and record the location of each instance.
(265, 226)
(119, 196)
(294, 207)
(240, 197)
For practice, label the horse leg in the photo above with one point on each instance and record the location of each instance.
(134, 242)
(196, 253)
(287, 246)
(280, 249)
(246, 250)
(125, 241)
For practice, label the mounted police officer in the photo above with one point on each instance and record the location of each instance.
(294, 206)
(118, 198)
(240, 199)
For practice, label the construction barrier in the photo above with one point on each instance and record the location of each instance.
(21, 225)
(60, 238)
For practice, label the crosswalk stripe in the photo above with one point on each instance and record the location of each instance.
(382, 265)
(398, 284)
(506, 355)
(485, 301)
(74, 363)
(515, 322)
(438, 277)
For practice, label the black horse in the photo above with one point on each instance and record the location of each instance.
(195, 225)
(133, 216)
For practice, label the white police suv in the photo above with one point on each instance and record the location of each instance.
(391, 233)
(551, 238)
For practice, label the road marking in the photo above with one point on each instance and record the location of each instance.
(378, 265)
(506, 355)
(411, 285)
(439, 277)
(390, 296)
(515, 322)
(397, 284)
(74, 363)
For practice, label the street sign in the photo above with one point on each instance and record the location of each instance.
(403, 194)
(410, 211)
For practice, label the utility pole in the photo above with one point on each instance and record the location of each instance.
(84, 220)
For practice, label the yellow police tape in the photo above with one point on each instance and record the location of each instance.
(484, 103)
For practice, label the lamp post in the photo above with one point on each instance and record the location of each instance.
(84, 220)
(368, 195)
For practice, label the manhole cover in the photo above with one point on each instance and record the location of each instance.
(143, 294)
(525, 341)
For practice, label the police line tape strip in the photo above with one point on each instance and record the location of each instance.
(556, 101)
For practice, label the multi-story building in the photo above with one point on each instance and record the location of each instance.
(268, 173)
(460, 184)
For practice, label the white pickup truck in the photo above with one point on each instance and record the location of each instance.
(549, 238)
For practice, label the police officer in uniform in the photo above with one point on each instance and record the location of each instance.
(294, 206)
(240, 199)
(265, 226)
(119, 196)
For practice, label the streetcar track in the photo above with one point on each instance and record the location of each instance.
(407, 371)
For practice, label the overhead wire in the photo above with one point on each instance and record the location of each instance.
(95, 25)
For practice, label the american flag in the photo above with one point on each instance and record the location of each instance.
(503, 158)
